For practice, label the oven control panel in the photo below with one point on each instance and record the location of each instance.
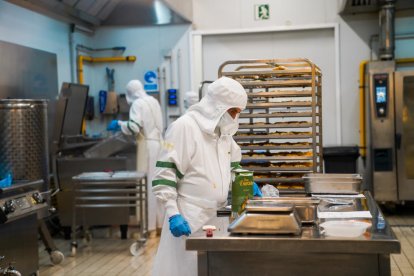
(381, 94)
(20, 204)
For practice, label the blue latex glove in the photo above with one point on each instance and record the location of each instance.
(179, 226)
(6, 182)
(256, 190)
(113, 126)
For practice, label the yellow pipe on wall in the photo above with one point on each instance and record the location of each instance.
(404, 60)
(362, 136)
(81, 59)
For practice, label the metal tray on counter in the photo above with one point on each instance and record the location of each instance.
(306, 207)
(318, 183)
(267, 218)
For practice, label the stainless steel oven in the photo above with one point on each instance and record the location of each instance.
(390, 121)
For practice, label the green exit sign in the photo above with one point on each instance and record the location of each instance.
(262, 12)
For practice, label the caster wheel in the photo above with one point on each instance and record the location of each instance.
(57, 257)
(134, 249)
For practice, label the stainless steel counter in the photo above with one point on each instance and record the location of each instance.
(311, 252)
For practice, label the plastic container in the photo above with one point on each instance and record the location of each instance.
(344, 228)
(241, 189)
(340, 159)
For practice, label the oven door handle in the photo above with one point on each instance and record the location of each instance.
(398, 140)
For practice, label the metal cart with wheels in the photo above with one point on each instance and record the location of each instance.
(123, 189)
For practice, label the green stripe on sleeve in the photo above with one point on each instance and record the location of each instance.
(170, 165)
(130, 129)
(135, 123)
(165, 182)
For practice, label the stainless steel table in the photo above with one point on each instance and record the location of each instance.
(310, 253)
(123, 189)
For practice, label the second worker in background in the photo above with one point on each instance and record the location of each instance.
(145, 123)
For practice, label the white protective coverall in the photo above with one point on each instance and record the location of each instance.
(145, 122)
(193, 172)
(190, 98)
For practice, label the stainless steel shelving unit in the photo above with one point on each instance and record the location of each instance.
(122, 189)
(280, 131)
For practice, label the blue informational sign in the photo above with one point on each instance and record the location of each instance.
(150, 78)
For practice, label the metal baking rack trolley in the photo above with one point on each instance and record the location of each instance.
(280, 131)
(110, 190)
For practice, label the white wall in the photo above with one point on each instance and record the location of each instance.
(23, 27)
(354, 35)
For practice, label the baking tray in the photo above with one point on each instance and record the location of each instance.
(335, 177)
(268, 206)
(332, 183)
(306, 207)
(281, 93)
(273, 136)
(266, 223)
(303, 114)
(275, 125)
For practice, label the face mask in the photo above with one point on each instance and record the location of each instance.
(228, 125)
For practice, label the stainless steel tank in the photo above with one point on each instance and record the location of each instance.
(23, 139)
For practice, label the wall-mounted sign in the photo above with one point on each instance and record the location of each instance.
(261, 12)
(151, 81)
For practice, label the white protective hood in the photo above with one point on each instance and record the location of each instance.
(190, 98)
(223, 94)
(135, 90)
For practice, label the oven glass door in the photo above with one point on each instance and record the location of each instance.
(404, 137)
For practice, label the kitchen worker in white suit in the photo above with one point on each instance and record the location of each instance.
(145, 123)
(193, 172)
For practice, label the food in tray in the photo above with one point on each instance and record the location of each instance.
(278, 175)
(271, 144)
(275, 124)
(288, 144)
(292, 164)
(294, 153)
(279, 67)
(290, 186)
(277, 154)
(281, 133)
(283, 165)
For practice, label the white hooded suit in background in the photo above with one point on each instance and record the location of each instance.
(193, 172)
(145, 123)
(190, 98)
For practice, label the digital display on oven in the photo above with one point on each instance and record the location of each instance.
(381, 94)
